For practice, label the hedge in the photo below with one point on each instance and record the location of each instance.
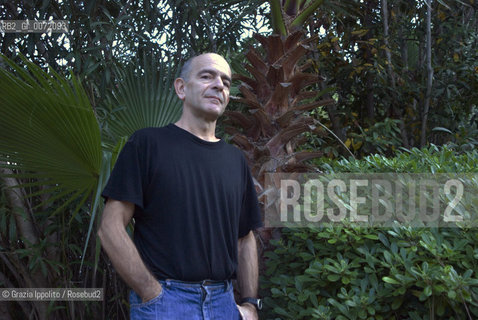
(352, 272)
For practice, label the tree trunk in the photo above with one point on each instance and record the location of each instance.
(386, 42)
(22, 215)
(426, 106)
(26, 229)
(396, 112)
(369, 100)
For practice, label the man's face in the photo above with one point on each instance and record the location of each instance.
(206, 92)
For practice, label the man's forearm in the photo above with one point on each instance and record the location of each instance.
(248, 267)
(126, 259)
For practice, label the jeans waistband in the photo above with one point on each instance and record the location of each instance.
(198, 284)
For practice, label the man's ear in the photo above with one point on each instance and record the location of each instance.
(179, 85)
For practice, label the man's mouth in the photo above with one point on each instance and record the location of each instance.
(216, 99)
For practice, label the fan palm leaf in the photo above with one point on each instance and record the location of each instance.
(143, 98)
(49, 133)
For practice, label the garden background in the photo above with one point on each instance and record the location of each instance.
(320, 86)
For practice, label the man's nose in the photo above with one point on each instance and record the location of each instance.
(218, 84)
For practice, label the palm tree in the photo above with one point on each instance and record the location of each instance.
(55, 158)
(278, 94)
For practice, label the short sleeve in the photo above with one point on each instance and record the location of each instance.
(250, 214)
(127, 178)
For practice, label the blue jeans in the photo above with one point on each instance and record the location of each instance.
(190, 301)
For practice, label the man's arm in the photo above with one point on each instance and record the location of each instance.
(122, 251)
(248, 274)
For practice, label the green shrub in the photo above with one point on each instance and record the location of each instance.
(351, 272)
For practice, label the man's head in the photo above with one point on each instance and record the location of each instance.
(204, 85)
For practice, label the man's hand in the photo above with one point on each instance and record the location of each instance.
(248, 311)
(153, 292)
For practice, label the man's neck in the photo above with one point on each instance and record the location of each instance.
(201, 129)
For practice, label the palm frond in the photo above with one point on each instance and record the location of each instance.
(48, 130)
(144, 97)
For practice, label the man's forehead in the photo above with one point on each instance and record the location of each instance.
(211, 60)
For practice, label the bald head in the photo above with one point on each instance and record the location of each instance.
(204, 87)
(188, 65)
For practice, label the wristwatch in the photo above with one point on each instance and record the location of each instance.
(254, 301)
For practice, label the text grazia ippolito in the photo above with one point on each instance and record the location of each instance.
(51, 294)
(376, 200)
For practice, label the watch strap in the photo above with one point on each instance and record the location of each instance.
(254, 301)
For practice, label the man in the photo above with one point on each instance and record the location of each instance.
(194, 205)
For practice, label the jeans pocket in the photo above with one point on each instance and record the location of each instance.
(136, 301)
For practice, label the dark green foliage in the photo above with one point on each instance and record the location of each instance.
(382, 78)
(351, 272)
(54, 152)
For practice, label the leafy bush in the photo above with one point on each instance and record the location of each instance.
(352, 272)
(382, 136)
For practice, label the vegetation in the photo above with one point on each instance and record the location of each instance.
(335, 77)
(375, 55)
(354, 272)
(55, 163)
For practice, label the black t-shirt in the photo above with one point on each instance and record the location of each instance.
(193, 200)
